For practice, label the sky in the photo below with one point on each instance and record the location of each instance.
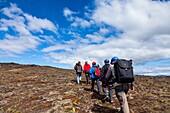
(60, 33)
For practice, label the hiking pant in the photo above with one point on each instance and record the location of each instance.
(78, 78)
(104, 91)
(123, 102)
(104, 87)
(87, 77)
(110, 88)
(98, 84)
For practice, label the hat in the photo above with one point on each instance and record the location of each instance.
(93, 63)
(114, 59)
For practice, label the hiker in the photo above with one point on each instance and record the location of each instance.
(78, 68)
(86, 71)
(121, 89)
(109, 81)
(95, 75)
(103, 79)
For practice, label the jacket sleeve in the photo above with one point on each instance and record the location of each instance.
(75, 67)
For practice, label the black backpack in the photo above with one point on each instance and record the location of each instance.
(124, 71)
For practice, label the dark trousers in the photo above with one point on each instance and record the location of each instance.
(87, 77)
(104, 87)
(110, 88)
(98, 84)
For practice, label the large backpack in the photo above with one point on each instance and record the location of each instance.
(124, 71)
(96, 71)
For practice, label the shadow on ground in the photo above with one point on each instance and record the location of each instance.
(102, 109)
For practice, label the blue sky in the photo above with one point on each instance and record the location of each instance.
(59, 33)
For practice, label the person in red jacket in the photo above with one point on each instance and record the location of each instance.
(86, 71)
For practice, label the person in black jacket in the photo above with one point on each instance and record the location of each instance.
(103, 79)
(79, 70)
(109, 81)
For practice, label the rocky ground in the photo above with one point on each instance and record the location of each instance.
(43, 89)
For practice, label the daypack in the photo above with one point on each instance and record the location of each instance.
(79, 68)
(124, 71)
(96, 71)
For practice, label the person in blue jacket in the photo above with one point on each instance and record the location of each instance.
(94, 77)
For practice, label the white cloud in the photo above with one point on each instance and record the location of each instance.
(16, 21)
(104, 31)
(80, 22)
(155, 69)
(22, 25)
(67, 12)
(38, 25)
(145, 25)
(138, 19)
(63, 58)
(5, 54)
(49, 39)
(18, 44)
(57, 47)
(76, 21)
(97, 38)
(74, 34)
(12, 12)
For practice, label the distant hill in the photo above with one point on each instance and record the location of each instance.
(45, 89)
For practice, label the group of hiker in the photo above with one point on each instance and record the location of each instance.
(115, 74)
